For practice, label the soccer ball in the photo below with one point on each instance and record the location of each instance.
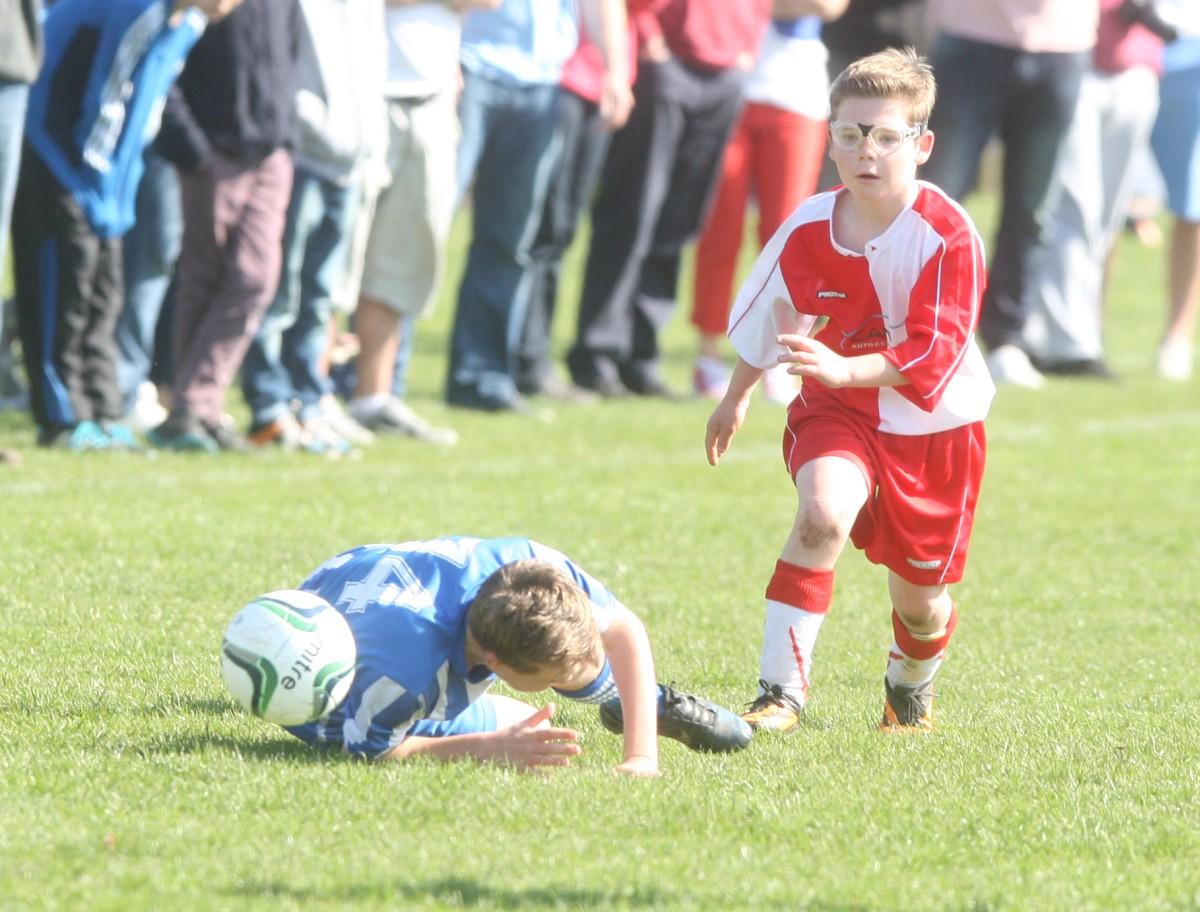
(288, 657)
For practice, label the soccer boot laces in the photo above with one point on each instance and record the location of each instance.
(693, 721)
(907, 709)
(774, 709)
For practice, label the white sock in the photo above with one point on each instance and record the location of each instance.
(904, 669)
(368, 405)
(789, 635)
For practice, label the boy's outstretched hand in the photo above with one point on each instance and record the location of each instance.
(723, 423)
(532, 743)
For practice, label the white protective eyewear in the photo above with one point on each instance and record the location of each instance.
(848, 135)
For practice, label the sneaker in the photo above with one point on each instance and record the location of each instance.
(774, 709)
(907, 709)
(147, 411)
(396, 417)
(325, 440)
(692, 721)
(224, 434)
(332, 414)
(1009, 364)
(120, 437)
(1174, 360)
(183, 433)
(710, 377)
(86, 435)
(553, 387)
(284, 433)
(1093, 368)
(779, 386)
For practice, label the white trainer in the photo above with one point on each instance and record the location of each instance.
(1175, 359)
(1009, 364)
(342, 424)
(147, 411)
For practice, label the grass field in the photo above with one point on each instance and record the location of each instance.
(1063, 775)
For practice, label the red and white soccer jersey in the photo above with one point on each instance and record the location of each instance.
(913, 296)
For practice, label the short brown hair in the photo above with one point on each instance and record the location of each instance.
(901, 75)
(532, 615)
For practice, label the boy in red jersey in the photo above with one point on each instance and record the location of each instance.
(871, 294)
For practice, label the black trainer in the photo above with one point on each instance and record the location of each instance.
(698, 723)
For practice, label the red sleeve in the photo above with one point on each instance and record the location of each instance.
(645, 20)
(943, 310)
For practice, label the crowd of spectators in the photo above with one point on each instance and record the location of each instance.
(203, 191)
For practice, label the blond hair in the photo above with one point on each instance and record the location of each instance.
(900, 75)
(531, 616)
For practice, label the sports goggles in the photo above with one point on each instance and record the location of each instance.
(848, 135)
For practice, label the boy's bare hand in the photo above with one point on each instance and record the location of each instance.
(532, 743)
(724, 422)
(810, 358)
(640, 767)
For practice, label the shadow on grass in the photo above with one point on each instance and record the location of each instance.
(463, 892)
(289, 749)
(192, 706)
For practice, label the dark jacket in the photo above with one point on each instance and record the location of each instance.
(20, 40)
(236, 95)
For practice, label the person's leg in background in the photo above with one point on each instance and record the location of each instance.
(403, 263)
(717, 258)
(150, 250)
(583, 140)
(1176, 142)
(1036, 121)
(13, 99)
(511, 179)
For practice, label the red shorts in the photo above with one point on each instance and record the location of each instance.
(923, 489)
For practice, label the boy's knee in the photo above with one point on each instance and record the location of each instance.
(818, 526)
(922, 609)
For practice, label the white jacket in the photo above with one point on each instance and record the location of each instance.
(340, 100)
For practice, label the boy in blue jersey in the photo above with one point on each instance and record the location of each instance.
(436, 622)
(93, 109)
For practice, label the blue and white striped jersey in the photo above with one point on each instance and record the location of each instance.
(407, 606)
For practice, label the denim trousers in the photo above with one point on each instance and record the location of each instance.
(284, 361)
(1028, 99)
(13, 96)
(150, 250)
(507, 150)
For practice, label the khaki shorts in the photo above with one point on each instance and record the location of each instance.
(403, 244)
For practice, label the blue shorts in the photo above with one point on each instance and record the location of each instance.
(1176, 136)
(480, 716)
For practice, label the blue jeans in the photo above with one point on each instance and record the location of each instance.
(150, 250)
(1029, 100)
(508, 147)
(13, 96)
(284, 360)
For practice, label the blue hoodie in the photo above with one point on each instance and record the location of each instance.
(98, 100)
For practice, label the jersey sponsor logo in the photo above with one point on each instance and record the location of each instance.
(831, 294)
(872, 335)
(923, 565)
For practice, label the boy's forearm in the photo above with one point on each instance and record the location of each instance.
(742, 381)
(628, 648)
(451, 747)
(873, 370)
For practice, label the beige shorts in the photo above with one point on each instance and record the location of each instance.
(402, 244)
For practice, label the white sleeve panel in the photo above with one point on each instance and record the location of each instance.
(764, 308)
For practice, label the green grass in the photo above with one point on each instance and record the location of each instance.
(1063, 774)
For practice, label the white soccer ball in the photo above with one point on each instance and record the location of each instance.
(288, 657)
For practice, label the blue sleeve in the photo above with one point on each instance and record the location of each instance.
(381, 719)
